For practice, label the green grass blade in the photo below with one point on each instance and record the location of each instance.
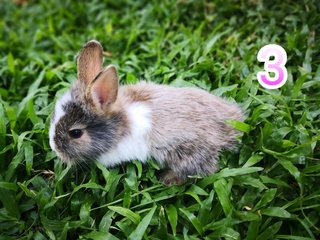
(223, 189)
(276, 212)
(194, 221)
(172, 217)
(135, 218)
(270, 231)
(142, 226)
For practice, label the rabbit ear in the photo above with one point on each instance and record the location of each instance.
(104, 89)
(89, 62)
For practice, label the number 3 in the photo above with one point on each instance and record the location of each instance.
(277, 66)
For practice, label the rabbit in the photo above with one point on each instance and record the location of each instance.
(183, 129)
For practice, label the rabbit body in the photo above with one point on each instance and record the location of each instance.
(183, 129)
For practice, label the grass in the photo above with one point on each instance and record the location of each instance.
(269, 189)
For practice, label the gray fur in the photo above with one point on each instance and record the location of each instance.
(188, 125)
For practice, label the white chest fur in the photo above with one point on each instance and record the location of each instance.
(135, 145)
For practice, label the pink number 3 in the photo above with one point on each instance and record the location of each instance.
(276, 66)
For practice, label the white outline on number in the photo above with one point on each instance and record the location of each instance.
(272, 66)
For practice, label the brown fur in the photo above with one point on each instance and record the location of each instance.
(89, 61)
(188, 125)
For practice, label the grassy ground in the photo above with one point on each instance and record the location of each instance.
(267, 190)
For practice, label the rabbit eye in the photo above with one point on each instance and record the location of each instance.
(75, 133)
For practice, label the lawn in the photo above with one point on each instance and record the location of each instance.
(268, 189)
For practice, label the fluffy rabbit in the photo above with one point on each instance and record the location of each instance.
(183, 129)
